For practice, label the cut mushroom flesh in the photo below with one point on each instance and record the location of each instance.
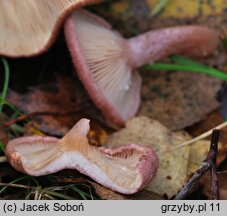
(125, 169)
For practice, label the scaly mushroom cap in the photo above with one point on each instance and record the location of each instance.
(98, 53)
(125, 169)
(106, 62)
(29, 27)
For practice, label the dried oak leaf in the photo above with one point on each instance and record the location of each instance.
(176, 165)
(178, 99)
(65, 98)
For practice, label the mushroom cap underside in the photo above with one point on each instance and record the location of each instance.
(99, 54)
(29, 27)
(125, 169)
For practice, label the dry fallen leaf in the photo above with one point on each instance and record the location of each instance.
(222, 178)
(176, 165)
(178, 99)
(107, 194)
(67, 100)
(4, 137)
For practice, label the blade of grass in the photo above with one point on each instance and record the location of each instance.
(187, 68)
(81, 193)
(1, 146)
(84, 195)
(56, 194)
(12, 182)
(158, 7)
(185, 61)
(35, 181)
(6, 82)
(17, 112)
(17, 129)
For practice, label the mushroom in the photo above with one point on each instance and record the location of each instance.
(106, 62)
(125, 169)
(29, 27)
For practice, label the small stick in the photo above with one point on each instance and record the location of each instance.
(211, 158)
(208, 163)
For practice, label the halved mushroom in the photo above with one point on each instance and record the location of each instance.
(106, 62)
(29, 27)
(125, 169)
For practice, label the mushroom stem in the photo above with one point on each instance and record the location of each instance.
(196, 41)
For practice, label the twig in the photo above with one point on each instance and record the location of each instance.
(209, 163)
(211, 158)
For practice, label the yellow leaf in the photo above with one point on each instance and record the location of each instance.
(190, 8)
(176, 165)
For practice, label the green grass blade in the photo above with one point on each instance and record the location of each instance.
(188, 62)
(1, 146)
(158, 7)
(80, 192)
(12, 182)
(35, 181)
(188, 68)
(6, 82)
(178, 59)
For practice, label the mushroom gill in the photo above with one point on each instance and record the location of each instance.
(125, 169)
(99, 55)
(29, 27)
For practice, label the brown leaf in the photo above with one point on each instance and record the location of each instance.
(66, 99)
(178, 99)
(222, 178)
(4, 137)
(107, 194)
(211, 121)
